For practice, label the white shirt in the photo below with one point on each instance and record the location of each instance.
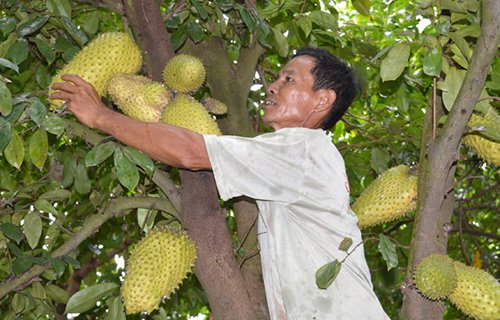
(298, 179)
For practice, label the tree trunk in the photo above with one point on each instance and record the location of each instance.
(232, 88)
(201, 214)
(216, 268)
(437, 166)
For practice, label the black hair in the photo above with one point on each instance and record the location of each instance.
(332, 73)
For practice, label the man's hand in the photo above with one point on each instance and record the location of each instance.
(81, 99)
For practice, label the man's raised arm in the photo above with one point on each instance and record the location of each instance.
(172, 145)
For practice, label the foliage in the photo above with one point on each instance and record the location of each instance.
(53, 177)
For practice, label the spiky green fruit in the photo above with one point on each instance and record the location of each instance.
(435, 276)
(214, 106)
(389, 197)
(485, 147)
(186, 112)
(184, 73)
(139, 97)
(477, 293)
(109, 53)
(156, 267)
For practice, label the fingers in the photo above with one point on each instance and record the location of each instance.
(77, 80)
(60, 95)
(64, 86)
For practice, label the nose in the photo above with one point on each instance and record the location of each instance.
(272, 88)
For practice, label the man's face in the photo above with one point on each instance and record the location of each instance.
(291, 99)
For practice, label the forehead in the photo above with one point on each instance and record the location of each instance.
(300, 65)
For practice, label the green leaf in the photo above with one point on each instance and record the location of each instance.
(22, 264)
(380, 160)
(281, 42)
(12, 231)
(5, 134)
(388, 250)
(75, 33)
(200, 9)
(82, 182)
(56, 195)
(91, 23)
(43, 77)
(140, 159)
(5, 99)
(7, 24)
(87, 298)
(451, 85)
(116, 310)
(45, 206)
(57, 294)
(327, 274)
(15, 249)
(18, 303)
(395, 62)
(324, 20)
(432, 62)
(45, 49)
(246, 17)
(38, 148)
(72, 261)
(14, 151)
(345, 244)
(177, 38)
(32, 228)
(126, 171)
(69, 172)
(362, 6)
(37, 110)
(58, 265)
(305, 24)
(59, 7)
(11, 65)
(31, 26)
(54, 124)
(195, 32)
(99, 153)
(18, 51)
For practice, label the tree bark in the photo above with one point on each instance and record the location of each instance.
(151, 35)
(233, 88)
(216, 267)
(437, 166)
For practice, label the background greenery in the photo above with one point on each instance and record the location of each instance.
(52, 179)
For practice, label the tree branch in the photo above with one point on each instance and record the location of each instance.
(115, 208)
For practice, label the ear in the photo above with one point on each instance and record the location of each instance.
(326, 99)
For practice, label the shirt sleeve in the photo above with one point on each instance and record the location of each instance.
(268, 167)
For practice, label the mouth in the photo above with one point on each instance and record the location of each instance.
(269, 103)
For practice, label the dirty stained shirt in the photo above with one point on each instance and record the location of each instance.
(298, 179)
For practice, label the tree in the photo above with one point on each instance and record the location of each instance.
(72, 199)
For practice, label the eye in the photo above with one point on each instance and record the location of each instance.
(288, 79)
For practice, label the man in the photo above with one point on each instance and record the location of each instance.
(295, 174)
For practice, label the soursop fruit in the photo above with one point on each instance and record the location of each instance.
(138, 96)
(184, 73)
(156, 267)
(184, 111)
(477, 293)
(109, 53)
(484, 146)
(388, 197)
(214, 106)
(435, 276)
